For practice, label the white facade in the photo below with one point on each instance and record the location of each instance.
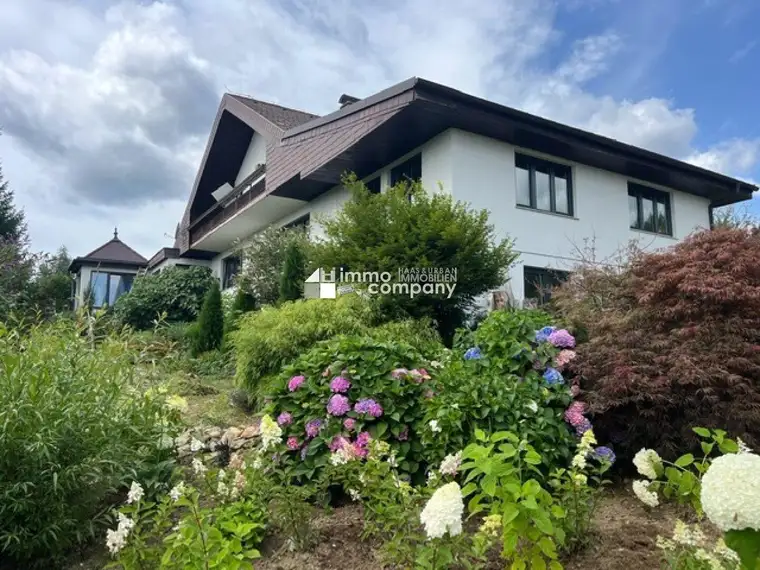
(255, 155)
(481, 172)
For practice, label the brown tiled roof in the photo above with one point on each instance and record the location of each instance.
(283, 117)
(114, 251)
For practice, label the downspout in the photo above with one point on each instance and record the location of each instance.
(712, 218)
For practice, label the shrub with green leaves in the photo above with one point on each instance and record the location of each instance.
(274, 336)
(176, 291)
(347, 391)
(388, 232)
(78, 422)
(293, 273)
(210, 331)
(502, 389)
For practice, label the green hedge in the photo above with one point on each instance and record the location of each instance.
(176, 291)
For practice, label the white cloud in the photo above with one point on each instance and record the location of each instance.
(115, 116)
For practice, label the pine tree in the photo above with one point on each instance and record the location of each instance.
(293, 273)
(12, 222)
(210, 327)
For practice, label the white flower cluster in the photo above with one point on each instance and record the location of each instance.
(731, 491)
(450, 464)
(648, 463)
(588, 440)
(117, 539)
(177, 491)
(271, 433)
(689, 544)
(198, 467)
(443, 512)
(641, 490)
(135, 493)
(434, 427)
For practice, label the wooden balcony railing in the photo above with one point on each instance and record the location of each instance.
(236, 201)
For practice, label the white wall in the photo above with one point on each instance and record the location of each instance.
(171, 262)
(256, 154)
(483, 174)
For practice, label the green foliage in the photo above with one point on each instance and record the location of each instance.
(293, 273)
(421, 334)
(50, 291)
(368, 365)
(176, 291)
(210, 332)
(502, 478)
(389, 231)
(268, 339)
(79, 420)
(263, 260)
(503, 390)
(243, 301)
(690, 550)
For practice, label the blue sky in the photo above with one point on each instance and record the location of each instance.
(105, 115)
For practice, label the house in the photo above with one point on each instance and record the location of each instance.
(548, 186)
(106, 273)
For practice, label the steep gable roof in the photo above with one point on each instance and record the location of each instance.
(283, 117)
(113, 252)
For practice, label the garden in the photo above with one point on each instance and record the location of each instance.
(189, 428)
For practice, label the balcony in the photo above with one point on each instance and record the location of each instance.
(245, 210)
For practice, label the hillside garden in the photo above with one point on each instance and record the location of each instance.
(615, 428)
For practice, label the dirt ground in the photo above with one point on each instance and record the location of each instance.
(624, 539)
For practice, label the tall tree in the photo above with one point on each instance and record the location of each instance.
(51, 288)
(16, 264)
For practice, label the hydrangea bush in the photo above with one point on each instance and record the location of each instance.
(343, 394)
(506, 376)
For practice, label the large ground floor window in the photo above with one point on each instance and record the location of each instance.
(540, 281)
(106, 287)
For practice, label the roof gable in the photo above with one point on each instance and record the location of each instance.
(115, 252)
(283, 117)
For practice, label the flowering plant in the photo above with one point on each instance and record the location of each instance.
(688, 549)
(354, 388)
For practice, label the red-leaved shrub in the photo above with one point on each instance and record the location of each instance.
(677, 346)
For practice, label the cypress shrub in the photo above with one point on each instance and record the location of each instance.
(210, 330)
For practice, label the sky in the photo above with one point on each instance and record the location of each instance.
(106, 109)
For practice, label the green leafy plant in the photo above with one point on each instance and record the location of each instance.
(502, 390)
(79, 420)
(502, 479)
(210, 331)
(243, 301)
(274, 336)
(264, 258)
(688, 549)
(390, 231)
(177, 292)
(293, 273)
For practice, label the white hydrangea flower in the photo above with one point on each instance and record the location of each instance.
(198, 467)
(125, 523)
(354, 494)
(579, 461)
(648, 462)
(196, 445)
(731, 491)
(641, 490)
(177, 491)
(115, 540)
(580, 479)
(221, 475)
(687, 536)
(434, 427)
(443, 512)
(743, 447)
(135, 493)
(221, 488)
(338, 458)
(450, 464)
(271, 433)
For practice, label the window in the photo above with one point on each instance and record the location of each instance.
(649, 209)
(539, 282)
(409, 171)
(373, 185)
(106, 287)
(544, 185)
(230, 269)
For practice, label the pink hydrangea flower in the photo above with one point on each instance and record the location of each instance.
(562, 339)
(565, 356)
(363, 439)
(399, 373)
(295, 383)
(340, 384)
(368, 406)
(285, 419)
(338, 442)
(574, 414)
(349, 424)
(338, 405)
(293, 443)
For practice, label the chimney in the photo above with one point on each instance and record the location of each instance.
(346, 100)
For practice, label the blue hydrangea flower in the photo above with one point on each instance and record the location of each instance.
(604, 453)
(553, 376)
(473, 353)
(543, 334)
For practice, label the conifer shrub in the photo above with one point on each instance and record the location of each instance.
(293, 273)
(210, 329)
(677, 345)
